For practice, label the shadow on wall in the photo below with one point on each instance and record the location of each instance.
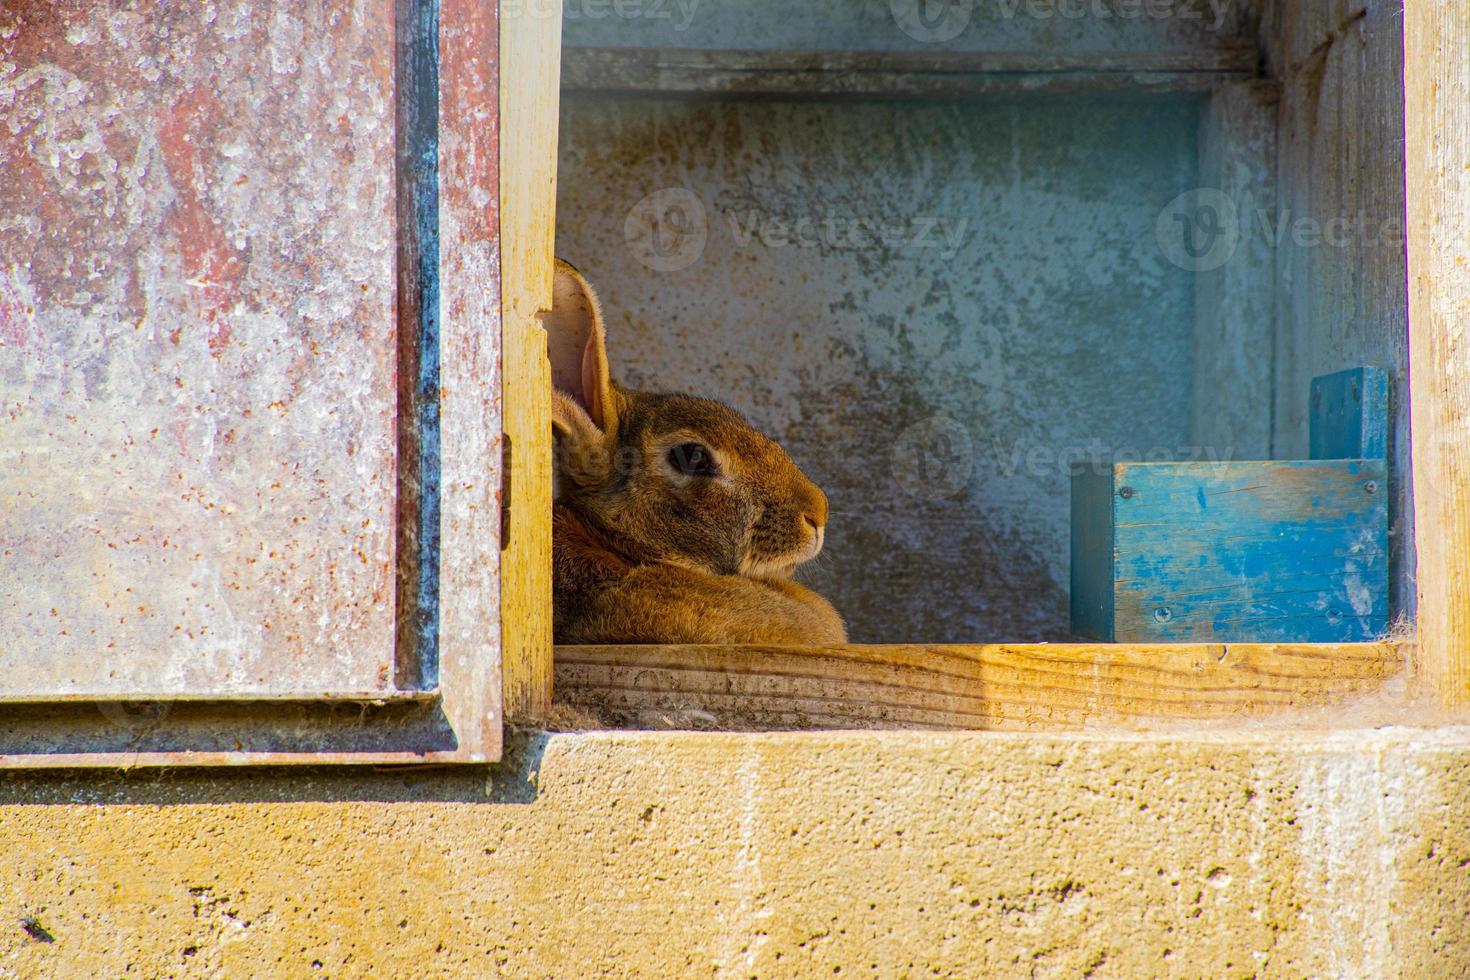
(513, 780)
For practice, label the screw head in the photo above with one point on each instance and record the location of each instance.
(1163, 614)
(1334, 616)
(1126, 493)
(1371, 486)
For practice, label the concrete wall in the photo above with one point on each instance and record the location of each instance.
(884, 854)
(935, 307)
(1054, 321)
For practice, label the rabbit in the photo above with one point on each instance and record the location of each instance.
(674, 520)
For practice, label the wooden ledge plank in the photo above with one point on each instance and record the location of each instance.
(898, 74)
(991, 686)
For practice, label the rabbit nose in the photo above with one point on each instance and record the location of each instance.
(815, 511)
(817, 534)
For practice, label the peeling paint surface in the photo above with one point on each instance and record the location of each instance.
(471, 372)
(935, 307)
(197, 346)
(1244, 551)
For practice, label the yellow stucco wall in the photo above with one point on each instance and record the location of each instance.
(658, 854)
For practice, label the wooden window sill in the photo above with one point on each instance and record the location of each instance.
(1027, 686)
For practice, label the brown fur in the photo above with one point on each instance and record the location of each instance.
(644, 553)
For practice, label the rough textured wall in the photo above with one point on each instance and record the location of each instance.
(935, 307)
(885, 854)
(1235, 285)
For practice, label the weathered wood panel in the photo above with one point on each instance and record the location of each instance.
(1338, 230)
(1023, 687)
(1350, 415)
(1437, 72)
(471, 370)
(889, 74)
(1241, 551)
(197, 310)
(1191, 31)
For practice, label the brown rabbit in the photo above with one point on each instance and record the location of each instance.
(675, 521)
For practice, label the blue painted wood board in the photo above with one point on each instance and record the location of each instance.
(1260, 551)
(1349, 415)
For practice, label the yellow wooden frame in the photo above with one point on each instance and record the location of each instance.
(1031, 685)
(530, 65)
(1437, 125)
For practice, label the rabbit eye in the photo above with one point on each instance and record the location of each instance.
(692, 459)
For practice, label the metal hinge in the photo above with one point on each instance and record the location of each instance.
(505, 453)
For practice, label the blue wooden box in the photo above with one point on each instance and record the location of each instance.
(1256, 551)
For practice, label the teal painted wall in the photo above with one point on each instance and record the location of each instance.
(935, 307)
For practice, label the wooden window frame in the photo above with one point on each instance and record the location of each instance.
(1048, 686)
(1017, 686)
(1437, 127)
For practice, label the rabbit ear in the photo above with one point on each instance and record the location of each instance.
(583, 395)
